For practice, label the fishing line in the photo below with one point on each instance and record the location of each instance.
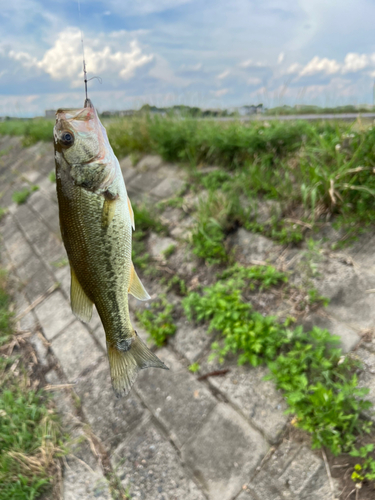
(83, 49)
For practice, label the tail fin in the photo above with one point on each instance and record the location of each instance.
(125, 365)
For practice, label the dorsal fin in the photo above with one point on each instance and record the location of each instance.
(136, 287)
(131, 214)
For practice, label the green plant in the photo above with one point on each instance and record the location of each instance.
(20, 197)
(261, 276)
(34, 130)
(254, 337)
(29, 430)
(212, 221)
(60, 263)
(52, 176)
(169, 251)
(321, 388)
(194, 367)
(176, 283)
(158, 320)
(319, 384)
(366, 470)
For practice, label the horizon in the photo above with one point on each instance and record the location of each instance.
(182, 52)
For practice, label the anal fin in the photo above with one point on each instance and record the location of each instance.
(136, 287)
(81, 304)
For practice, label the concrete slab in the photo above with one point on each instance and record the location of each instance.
(150, 162)
(167, 188)
(367, 378)
(54, 314)
(190, 341)
(17, 246)
(76, 350)
(349, 336)
(39, 283)
(256, 398)
(111, 418)
(252, 247)
(149, 467)
(224, 453)
(158, 244)
(79, 482)
(178, 401)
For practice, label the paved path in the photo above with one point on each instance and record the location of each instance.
(174, 437)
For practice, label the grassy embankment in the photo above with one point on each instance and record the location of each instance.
(314, 172)
(29, 431)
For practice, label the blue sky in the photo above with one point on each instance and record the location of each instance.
(202, 53)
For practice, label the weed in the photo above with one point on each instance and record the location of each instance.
(28, 426)
(321, 389)
(213, 220)
(60, 263)
(255, 337)
(169, 251)
(145, 221)
(20, 197)
(158, 320)
(177, 284)
(319, 384)
(52, 176)
(32, 130)
(366, 471)
(194, 367)
(261, 276)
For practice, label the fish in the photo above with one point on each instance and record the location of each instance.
(96, 222)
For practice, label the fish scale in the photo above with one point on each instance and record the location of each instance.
(96, 226)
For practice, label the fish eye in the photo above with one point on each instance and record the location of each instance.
(67, 139)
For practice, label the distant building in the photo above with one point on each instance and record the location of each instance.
(50, 113)
(251, 110)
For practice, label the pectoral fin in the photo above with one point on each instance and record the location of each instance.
(136, 287)
(81, 304)
(131, 214)
(108, 212)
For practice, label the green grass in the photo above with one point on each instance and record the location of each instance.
(326, 169)
(37, 129)
(158, 320)
(318, 381)
(28, 425)
(145, 222)
(21, 196)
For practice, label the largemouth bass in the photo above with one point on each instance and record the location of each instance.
(96, 220)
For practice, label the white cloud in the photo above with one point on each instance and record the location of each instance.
(64, 59)
(250, 63)
(355, 62)
(192, 67)
(294, 68)
(253, 80)
(224, 74)
(162, 71)
(280, 59)
(318, 65)
(219, 93)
